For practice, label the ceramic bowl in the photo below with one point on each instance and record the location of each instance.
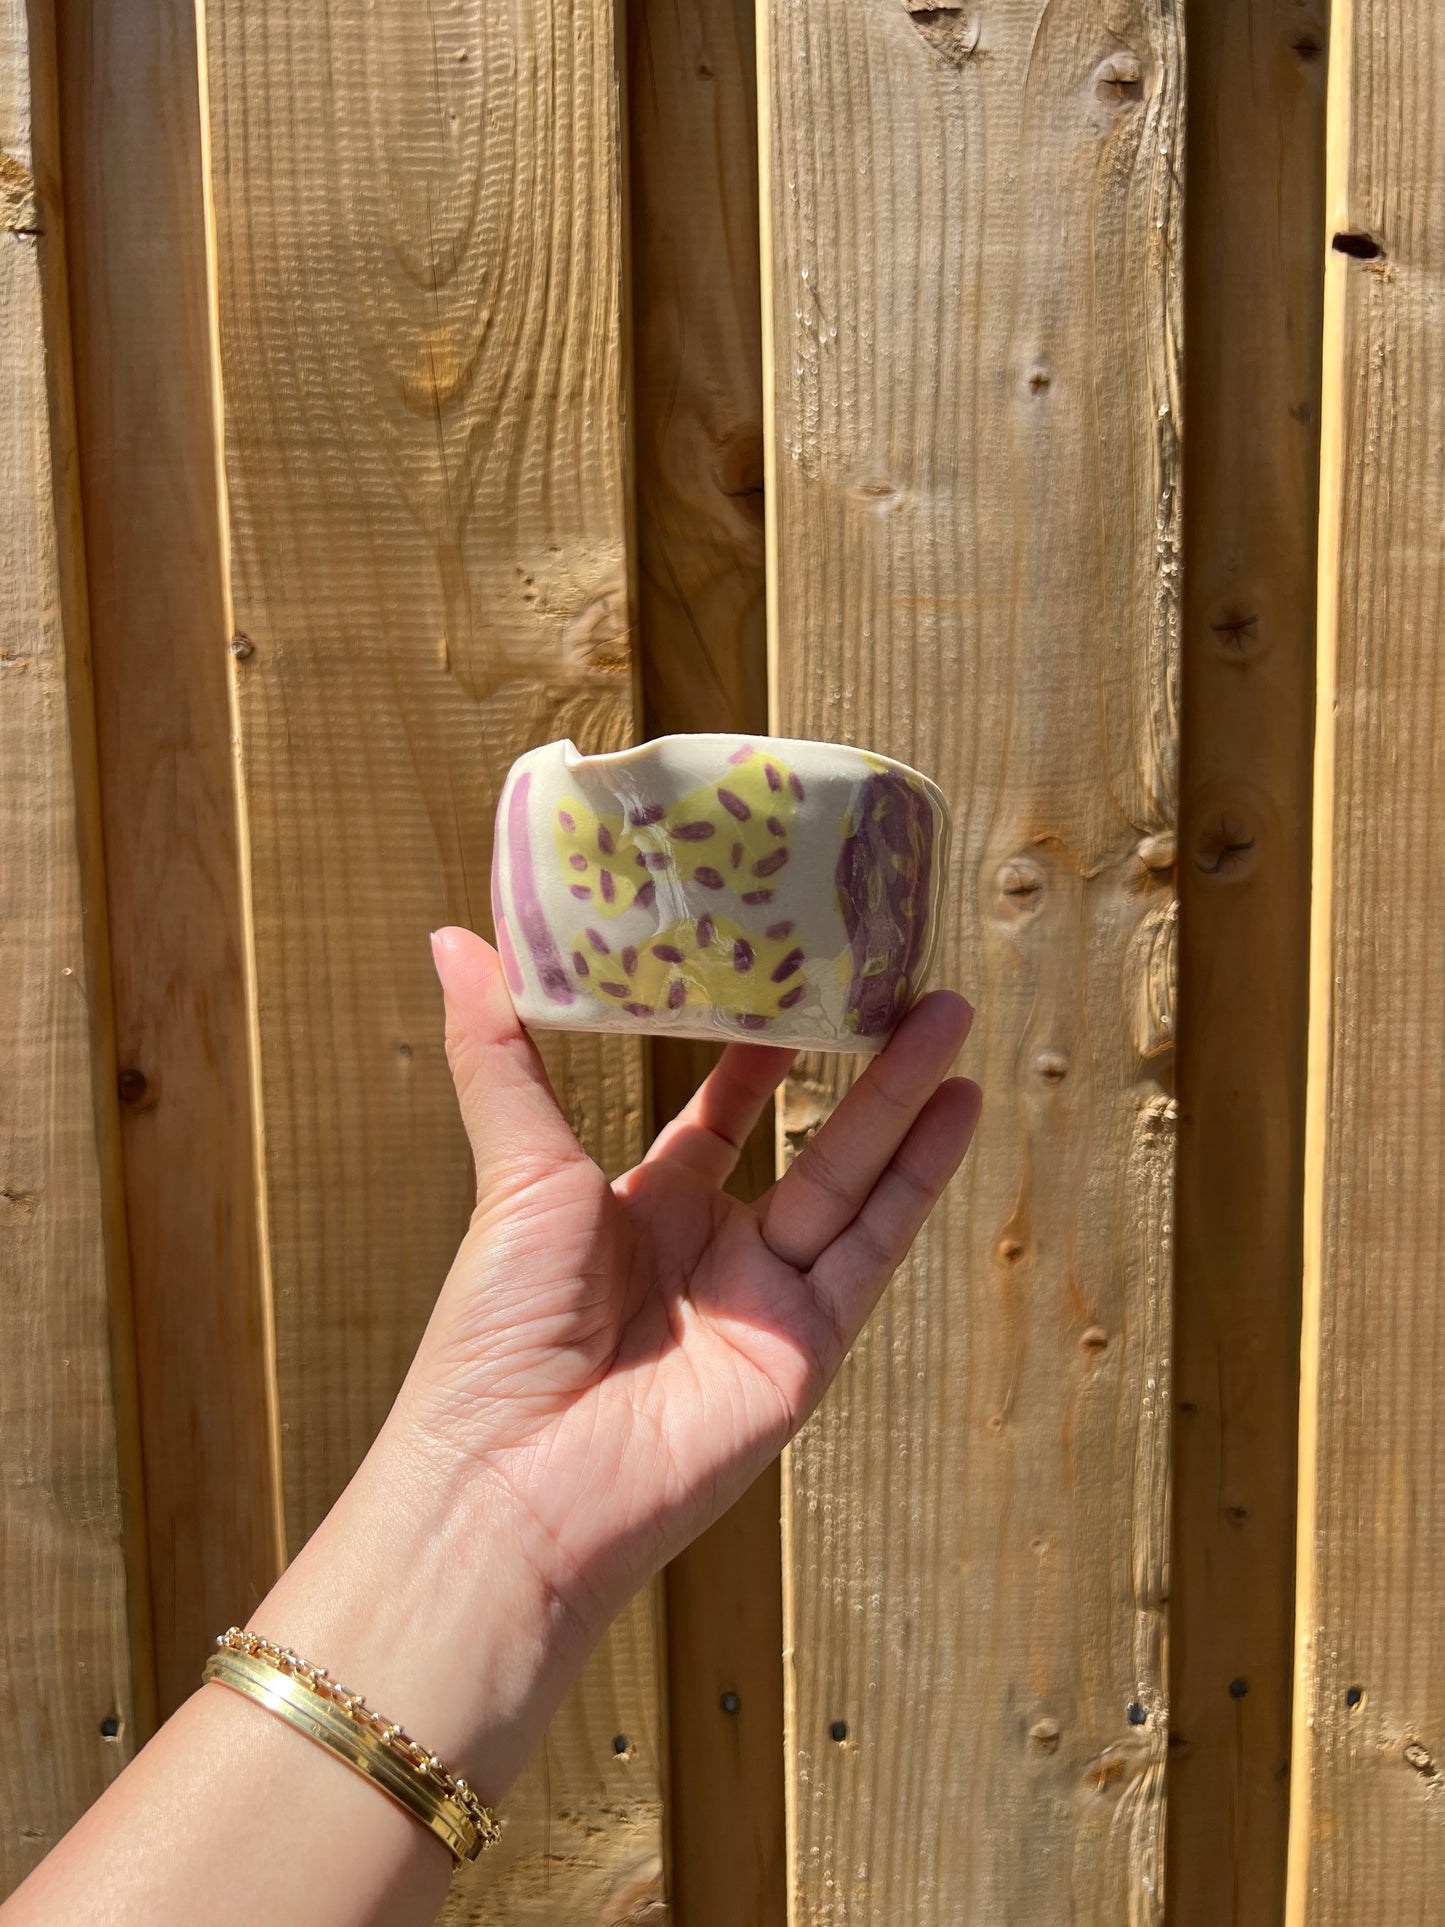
(719, 886)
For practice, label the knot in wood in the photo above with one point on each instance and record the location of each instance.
(132, 1087)
(1156, 853)
(1225, 847)
(1235, 628)
(738, 474)
(946, 28)
(876, 492)
(1021, 887)
(1119, 79)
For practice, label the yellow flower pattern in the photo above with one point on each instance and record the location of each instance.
(727, 840)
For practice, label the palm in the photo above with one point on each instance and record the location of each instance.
(628, 1356)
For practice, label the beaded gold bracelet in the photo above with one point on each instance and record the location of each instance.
(311, 1701)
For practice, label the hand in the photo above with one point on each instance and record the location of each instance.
(607, 1367)
(623, 1359)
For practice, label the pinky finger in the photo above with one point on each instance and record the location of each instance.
(849, 1276)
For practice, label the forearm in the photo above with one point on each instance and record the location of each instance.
(417, 1593)
(606, 1367)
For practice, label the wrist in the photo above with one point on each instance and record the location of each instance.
(422, 1591)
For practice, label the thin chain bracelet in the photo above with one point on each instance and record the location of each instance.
(378, 1749)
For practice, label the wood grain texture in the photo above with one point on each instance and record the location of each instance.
(699, 473)
(137, 252)
(698, 352)
(1254, 305)
(420, 278)
(73, 1657)
(1367, 1841)
(974, 297)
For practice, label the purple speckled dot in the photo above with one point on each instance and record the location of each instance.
(734, 805)
(787, 967)
(706, 929)
(667, 952)
(737, 855)
(767, 866)
(638, 1010)
(795, 995)
(598, 942)
(776, 827)
(784, 929)
(654, 859)
(645, 813)
(742, 755)
(605, 841)
(775, 781)
(646, 896)
(709, 879)
(568, 822)
(582, 892)
(795, 784)
(694, 832)
(614, 990)
(629, 961)
(752, 1020)
(607, 886)
(757, 896)
(577, 860)
(676, 994)
(580, 964)
(742, 954)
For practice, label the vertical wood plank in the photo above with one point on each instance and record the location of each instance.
(137, 251)
(1254, 309)
(420, 275)
(74, 1681)
(1367, 1841)
(973, 330)
(699, 469)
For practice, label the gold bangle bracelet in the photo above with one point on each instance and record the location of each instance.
(341, 1722)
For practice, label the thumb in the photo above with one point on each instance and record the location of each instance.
(511, 1116)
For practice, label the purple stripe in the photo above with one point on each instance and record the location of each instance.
(545, 955)
(506, 949)
(516, 982)
(496, 879)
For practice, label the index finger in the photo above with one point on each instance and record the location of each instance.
(708, 1134)
(823, 1190)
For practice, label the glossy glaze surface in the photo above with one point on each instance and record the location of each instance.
(718, 885)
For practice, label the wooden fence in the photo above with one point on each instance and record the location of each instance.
(1051, 394)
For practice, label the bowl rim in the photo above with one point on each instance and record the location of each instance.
(573, 758)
